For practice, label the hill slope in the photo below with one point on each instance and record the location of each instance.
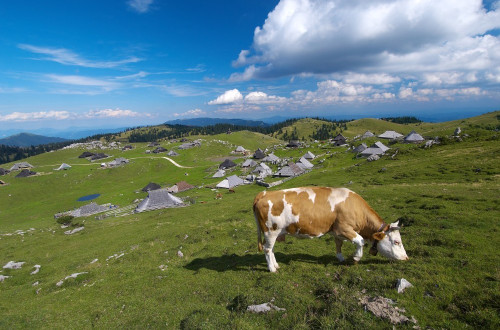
(198, 266)
(28, 139)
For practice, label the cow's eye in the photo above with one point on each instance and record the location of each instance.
(397, 242)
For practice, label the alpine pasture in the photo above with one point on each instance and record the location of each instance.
(198, 266)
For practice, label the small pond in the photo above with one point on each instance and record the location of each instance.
(88, 197)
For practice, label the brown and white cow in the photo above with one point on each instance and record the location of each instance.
(314, 211)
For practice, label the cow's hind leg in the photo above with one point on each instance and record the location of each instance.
(338, 245)
(270, 237)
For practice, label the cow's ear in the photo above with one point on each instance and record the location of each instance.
(378, 236)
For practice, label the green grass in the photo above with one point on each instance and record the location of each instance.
(446, 197)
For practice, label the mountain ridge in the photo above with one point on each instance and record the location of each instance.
(29, 139)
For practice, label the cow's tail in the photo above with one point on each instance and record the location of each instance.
(259, 237)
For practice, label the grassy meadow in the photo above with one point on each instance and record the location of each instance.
(446, 197)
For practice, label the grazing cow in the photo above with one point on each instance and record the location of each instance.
(314, 211)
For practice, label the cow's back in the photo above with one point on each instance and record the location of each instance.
(308, 211)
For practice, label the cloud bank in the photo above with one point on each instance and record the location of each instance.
(64, 115)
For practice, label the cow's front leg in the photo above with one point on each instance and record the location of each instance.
(359, 242)
(270, 237)
(354, 237)
(338, 245)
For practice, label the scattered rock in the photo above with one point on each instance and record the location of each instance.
(383, 308)
(163, 267)
(116, 256)
(37, 269)
(402, 285)
(94, 261)
(14, 265)
(3, 277)
(186, 236)
(180, 254)
(74, 275)
(38, 290)
(264, 308)
(373, 158)
(76, 230)
(35, 284)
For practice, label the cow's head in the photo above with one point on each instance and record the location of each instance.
(389, 243)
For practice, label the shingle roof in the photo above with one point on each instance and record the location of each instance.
(158, 199)
(240, 149)
(63, 166)
(86, 154)
(151, 186)
(259, 154)
(367, 134)
(227, 164)
(25, 173)
(21, 165)
(305, 162)
(360, 148)
(98, 156)
(219, 174)
(414, 137)
(249, 163)
(159, 149)
(309, 155)
(380, 145)
(230, 182)
(180, 186)
(89, 209)
(390, 135)
(271, 158)
(172, 153)
(118, 161)
(290, 170)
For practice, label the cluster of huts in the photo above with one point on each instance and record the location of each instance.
(258, 169)
(377, 149)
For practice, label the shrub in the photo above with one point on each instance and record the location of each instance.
(65, 219)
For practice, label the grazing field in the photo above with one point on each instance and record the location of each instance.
(198, 266)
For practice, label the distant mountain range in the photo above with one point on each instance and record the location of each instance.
(70, 133)
(213, 121)
(28, 139)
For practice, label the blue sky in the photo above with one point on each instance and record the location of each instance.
(134, 62)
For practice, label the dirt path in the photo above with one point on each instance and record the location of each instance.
(167, 158)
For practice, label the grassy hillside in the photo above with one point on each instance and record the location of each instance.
(446, 197)
(305, 127)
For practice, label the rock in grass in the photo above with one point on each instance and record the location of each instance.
(402, 285)
(13, 265)
(180, 254)
(76, 230)
(384, 308)
(37, 269)
(264, 308)
(3, 277)
(74, 275)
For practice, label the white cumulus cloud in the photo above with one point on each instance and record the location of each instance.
(362, 37)
(230, 96)
(112, 113)
(192, 113)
